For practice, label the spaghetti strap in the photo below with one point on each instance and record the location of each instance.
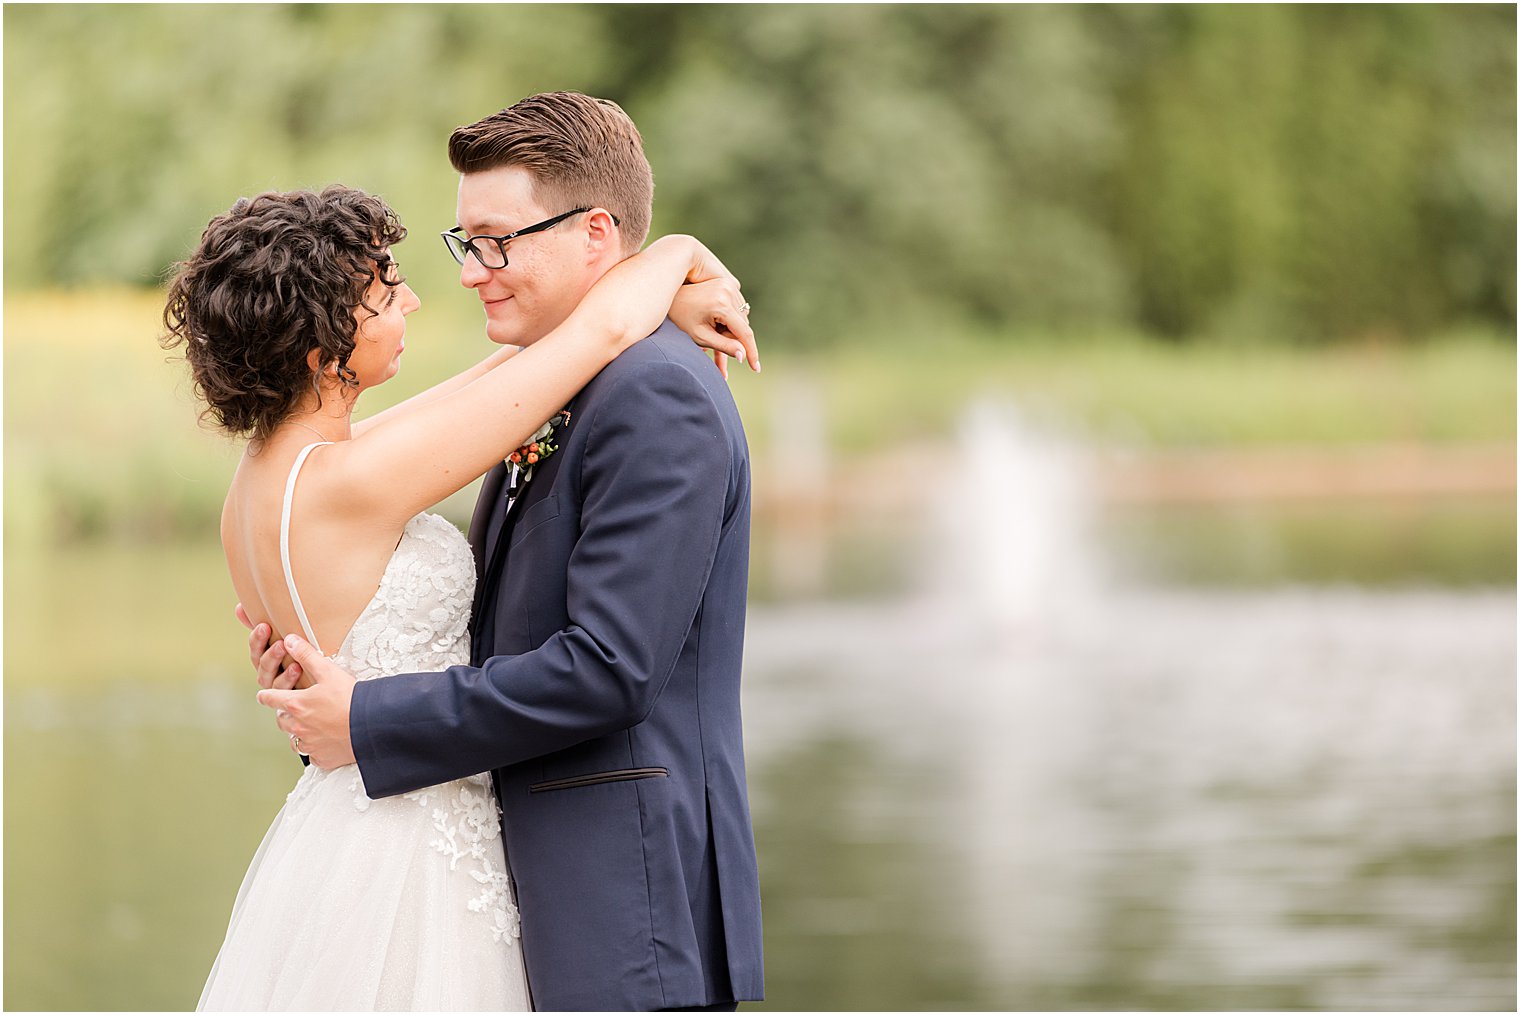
(290, 580)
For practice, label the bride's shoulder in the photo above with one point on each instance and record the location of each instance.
(330, 486)
(324, 494)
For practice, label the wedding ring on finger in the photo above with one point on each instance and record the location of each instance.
(744, 310)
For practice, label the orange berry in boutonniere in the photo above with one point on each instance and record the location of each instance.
(541, 445)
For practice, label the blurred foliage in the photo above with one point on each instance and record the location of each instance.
(1305, 173)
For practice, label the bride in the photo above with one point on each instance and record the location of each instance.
(288, 310)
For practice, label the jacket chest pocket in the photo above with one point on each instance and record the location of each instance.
(534, 516)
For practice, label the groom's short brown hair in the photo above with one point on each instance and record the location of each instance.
(582, 152)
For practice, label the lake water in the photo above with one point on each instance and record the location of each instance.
(1012, 752)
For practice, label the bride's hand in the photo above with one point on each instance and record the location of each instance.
(272, 665)
(714, 314)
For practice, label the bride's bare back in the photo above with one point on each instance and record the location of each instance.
(336, 558)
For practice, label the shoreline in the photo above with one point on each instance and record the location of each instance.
(882, 481)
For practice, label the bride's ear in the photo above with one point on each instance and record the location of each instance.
(314, 358)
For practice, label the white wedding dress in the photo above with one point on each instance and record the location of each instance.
(404, 903)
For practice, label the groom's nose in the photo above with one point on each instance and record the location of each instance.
(472, 273)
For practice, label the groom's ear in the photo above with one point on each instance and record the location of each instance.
(601, 233)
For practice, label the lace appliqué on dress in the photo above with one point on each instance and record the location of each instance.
(464, 815)
(467, 825)
(419, 619)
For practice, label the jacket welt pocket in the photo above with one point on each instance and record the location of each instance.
(533, 516)
(594, 778)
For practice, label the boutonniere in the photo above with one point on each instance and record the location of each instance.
(540, 446)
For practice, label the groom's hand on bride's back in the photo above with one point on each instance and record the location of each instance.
(315, 718)
(272, 664)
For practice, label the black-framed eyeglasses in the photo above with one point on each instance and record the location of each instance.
(494, 254)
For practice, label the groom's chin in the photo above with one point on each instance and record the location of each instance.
(501, 334)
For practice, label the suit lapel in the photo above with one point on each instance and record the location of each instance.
(491, 572)
(496, 565)
(480, 522)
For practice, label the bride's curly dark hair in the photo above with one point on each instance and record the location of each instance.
(275, 277)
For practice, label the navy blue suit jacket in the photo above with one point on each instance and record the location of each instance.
(608, 639)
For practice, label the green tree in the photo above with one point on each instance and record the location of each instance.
(1285, 172)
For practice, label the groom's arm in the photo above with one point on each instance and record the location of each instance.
(655, 479)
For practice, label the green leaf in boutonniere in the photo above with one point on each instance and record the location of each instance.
(541, 445)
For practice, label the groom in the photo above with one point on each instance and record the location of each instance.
(609, 613)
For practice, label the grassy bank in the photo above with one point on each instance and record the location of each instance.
(101, 438)
(1127, 389)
